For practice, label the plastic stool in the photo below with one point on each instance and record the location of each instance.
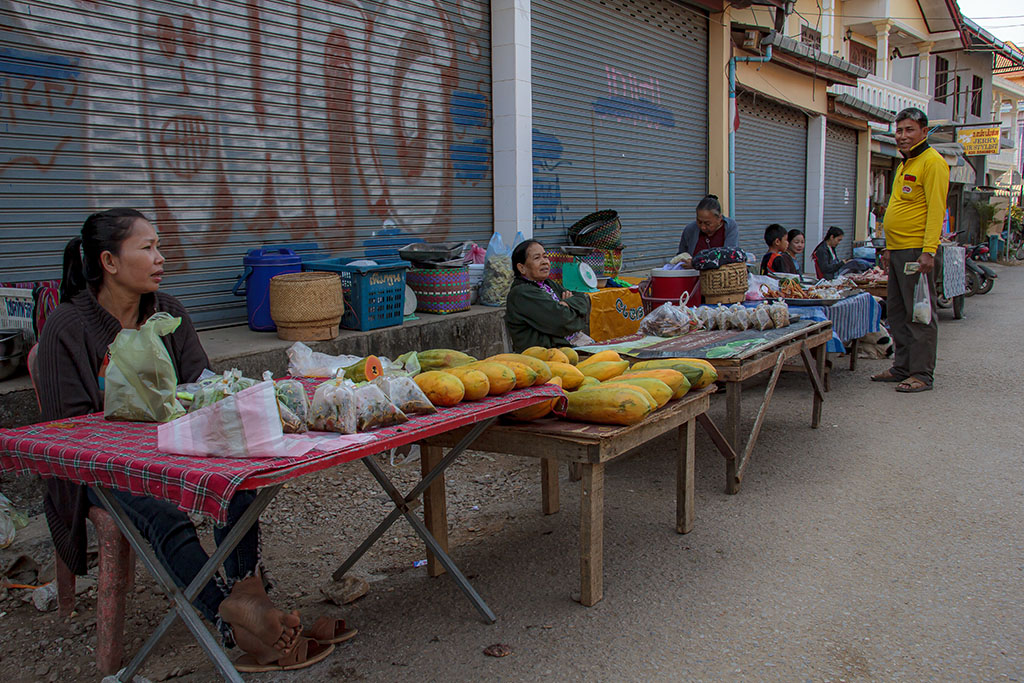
(116, 579)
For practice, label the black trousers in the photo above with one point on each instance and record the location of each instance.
(915, 344)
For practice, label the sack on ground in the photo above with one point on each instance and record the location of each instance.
(141, 384)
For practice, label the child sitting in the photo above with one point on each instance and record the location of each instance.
(777, 260)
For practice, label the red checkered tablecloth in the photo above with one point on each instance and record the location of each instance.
(123, 455)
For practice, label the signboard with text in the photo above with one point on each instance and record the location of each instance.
(979, 140)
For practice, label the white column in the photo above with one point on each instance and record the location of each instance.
(924, 67)
(512, 125)
(1015, 103)
(814, 219)
(828, 21)
(882, 51)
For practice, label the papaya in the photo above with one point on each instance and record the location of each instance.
(660, 391)
(673, 378)
(525, 376)
(538, 366)
(536, 412)
(589, 382)
(440, 359)
(364, 370)
(603, 370)
(692, 371)
(441, 388)
(571, 354)
(643, 392)
(555, 356)
(608, 405)
(710, 373)
(538, 352)
(475, 382)
(600, 357)
(571, 377)
(500, 377)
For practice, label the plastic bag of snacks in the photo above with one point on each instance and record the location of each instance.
(293, 405)
(498, 272)
(780, 313)
(334, 408)
(667, 320)
(219, 387)
(760, 318)
(737, 317)
(406, 395)
(374, 409)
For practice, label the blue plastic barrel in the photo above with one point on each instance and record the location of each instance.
(254, 282)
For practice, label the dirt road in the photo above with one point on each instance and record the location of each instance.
(885, 545)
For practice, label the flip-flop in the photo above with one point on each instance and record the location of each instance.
(327, 631)
(886, 376)
(306, 653)
(912, 385)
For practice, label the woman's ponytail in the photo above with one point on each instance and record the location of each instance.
(102, 231)
(73, 278)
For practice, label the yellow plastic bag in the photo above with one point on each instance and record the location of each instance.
(141, 384)
(615, 313)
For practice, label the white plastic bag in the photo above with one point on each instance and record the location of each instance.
(305, 362)
(922, 301)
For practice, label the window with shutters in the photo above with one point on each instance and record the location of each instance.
(810, 36)
(863, 56)
(977, 84)
(941, 79)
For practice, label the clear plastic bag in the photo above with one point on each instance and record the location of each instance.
(922, 301)
(219, 387)
(667, 320)
(334, 408)
(293, 405)
(374, 409)
(498, 272)
(760, 318)
(738, 319)
(780, 313)
(406, 395)
(141, 384)
(305, 362)
(721, 318)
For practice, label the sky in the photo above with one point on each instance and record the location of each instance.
(1003, 18)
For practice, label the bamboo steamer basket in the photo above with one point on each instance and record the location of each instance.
(724, 285)
(306, 306)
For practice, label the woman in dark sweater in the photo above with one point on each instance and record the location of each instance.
(825, 257)
(539, 311)
(111, 279)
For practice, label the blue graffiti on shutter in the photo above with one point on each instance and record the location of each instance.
(36, 64)
(547, 192)
(638, 111)
(470, 158)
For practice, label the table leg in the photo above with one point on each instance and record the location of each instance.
(592, 533)
(733, 391)
(549, 485)
(819, 398)
(854, 352)
(435, 506)
(684, 476)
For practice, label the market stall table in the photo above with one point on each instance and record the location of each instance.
(765, 350)
(591, 446)
(123, 455)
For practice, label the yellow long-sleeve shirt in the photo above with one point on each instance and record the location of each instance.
(917, 205)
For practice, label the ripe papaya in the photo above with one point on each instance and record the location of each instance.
(440, 359)
(608, 405)
(538, 352)
(501, 378)
(660, 391)
(673, 378)
(589, 382)
(475, 382)
(538, 366)
(441, 388)
(571, 354)
(525, 375)
(603, 370)
(651, 401)
(600, 357)
(555, 356)
(571, 377)
(692, 371)
(535, 412)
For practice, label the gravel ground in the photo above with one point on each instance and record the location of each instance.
(883, 546)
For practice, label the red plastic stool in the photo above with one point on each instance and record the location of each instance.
(116, 579)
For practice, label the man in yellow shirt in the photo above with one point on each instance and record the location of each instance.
(912, 224)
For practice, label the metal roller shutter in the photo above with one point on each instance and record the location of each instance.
(235, 124)
(620, 119)
(841, 184)
(771, 169)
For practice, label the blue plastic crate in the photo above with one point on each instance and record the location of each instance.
(374, 295)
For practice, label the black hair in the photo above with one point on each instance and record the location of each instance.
(793, 234)
(519, 254)
(833, 231)
(102, 231)
(773, 232)
(914, 114)
(710, 203)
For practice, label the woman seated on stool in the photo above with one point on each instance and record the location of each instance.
(539, 311)
(111, 281)
(825, 257)
(797, 242)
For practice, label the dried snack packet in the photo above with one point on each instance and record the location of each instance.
(374, 409)
(333, 408)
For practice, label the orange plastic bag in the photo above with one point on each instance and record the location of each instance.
(615, 313)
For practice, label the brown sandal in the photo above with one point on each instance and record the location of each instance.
(306, 653)
(886, 376)
(912, 385)
(327, 631)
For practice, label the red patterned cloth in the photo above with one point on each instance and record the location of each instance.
(123, 455)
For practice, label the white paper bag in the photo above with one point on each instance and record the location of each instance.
(243, 425)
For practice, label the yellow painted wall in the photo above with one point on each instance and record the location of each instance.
(909, 15)
(785, 85)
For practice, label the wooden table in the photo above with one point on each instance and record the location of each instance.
(591, 447)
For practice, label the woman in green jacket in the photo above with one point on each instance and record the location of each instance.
(539, 311)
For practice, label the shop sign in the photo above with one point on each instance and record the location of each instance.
(979, 140)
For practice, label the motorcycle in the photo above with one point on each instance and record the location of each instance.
(985, 275)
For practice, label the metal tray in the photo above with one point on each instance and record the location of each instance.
(431, 251)
(821, 302)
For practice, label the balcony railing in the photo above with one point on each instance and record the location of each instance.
(888, 95)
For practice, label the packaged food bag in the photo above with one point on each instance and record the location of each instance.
(406, 395)
(140, 383)
(780, 313)
(305, 362)
(498, 273)
(922, 301)
(219, 387)
(293, 405)
(333, 408)
(374, 409)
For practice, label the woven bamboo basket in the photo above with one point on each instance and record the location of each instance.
(724, 285)
(306, 306)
